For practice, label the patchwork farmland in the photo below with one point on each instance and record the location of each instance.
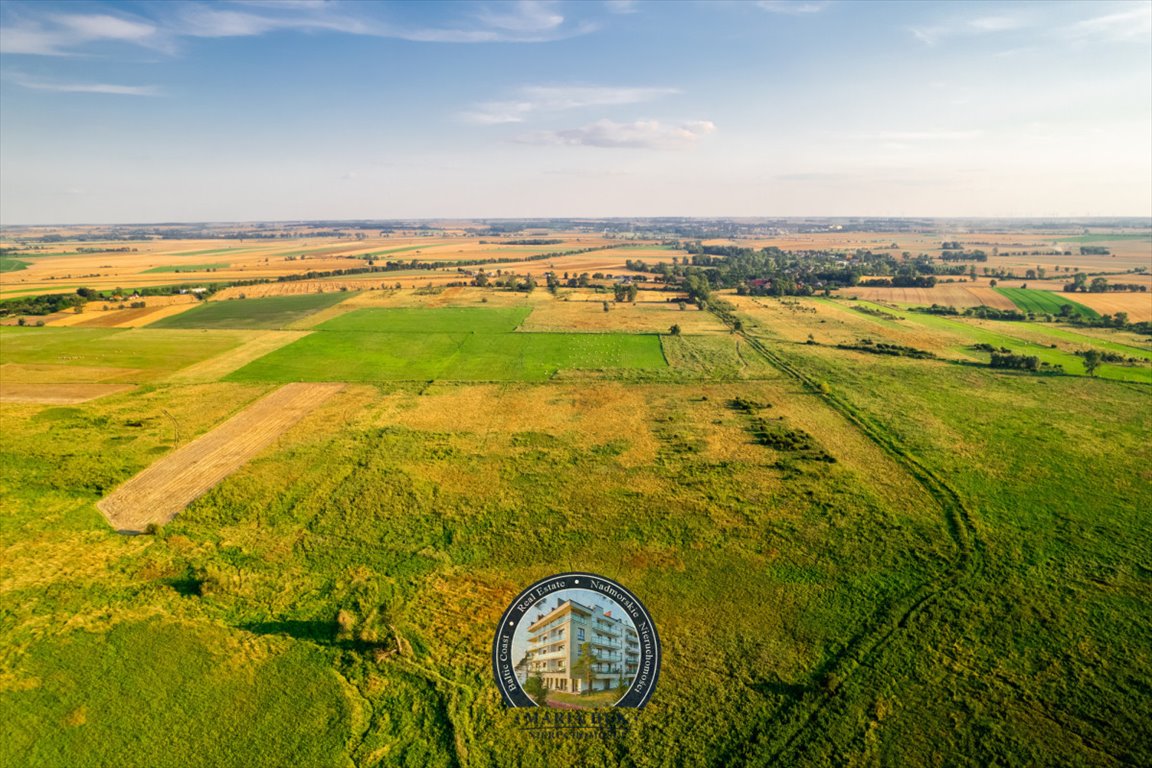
(833, 505)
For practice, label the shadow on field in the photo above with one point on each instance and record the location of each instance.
(319, 632)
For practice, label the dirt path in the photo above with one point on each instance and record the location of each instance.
(164, 489)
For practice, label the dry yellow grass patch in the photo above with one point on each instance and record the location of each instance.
(588, 316)
(587, 415)
(831, 322)
(56, 394)
(164, 489)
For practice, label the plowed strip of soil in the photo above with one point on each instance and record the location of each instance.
(56, 394)
(164, 489)
(214, 368)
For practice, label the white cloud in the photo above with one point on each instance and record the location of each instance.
(63, 34)
(210, 21)
(793, 7)
(529, 16)
(641, 134)
(557, 98)
(71, 34)
(1133, 24)
(622, 6)
(106, 88)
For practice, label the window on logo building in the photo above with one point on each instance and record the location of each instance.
(579, 633)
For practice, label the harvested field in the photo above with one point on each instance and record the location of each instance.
(1137, 305)
(644, 317)
(56, 394)
(134, 318)
(164, 489)
(954, 294)
(22, 373)
(216, 367)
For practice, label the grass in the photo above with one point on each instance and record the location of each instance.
(145, 354)
(268, 313)
(1044, 302)
(454, 344)
(185, 268)
(432, 320)
(148, 694)
(811, 613)
(10, 264)
(356, 356)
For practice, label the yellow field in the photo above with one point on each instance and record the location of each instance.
(56, 393)
(584, 312)
(1137, 305)
(60, 268)
(954, 294)
(161, 491)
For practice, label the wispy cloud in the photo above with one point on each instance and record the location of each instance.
(1132, 24)
(71, 87)
(793, 7)
(558, 98)
(622, 6)
(26, 31)
(971, 27)
(64, 34)
(641, 134)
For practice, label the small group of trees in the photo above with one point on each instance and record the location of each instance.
(1015, 362)
(625, 291)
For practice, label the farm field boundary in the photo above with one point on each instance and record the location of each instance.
(1044, 302)
(163, 490)
(216, 367)
(57, 394)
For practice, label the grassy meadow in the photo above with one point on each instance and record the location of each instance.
(851, 559)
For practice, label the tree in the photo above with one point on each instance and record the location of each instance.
(675, 329)
(585, 665)
(991, 283)
(1091, 361)
(534, 687)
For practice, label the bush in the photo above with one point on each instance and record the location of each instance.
(534, 687)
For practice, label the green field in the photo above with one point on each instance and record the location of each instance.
(1044, 302)
(186, 268)
(269, 313)
(438, 320)
(11, 264)
(454, 344)
(1104, 237)
(965, 583)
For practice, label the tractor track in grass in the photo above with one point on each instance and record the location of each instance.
(799, 716)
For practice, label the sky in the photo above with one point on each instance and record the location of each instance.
(134, 112)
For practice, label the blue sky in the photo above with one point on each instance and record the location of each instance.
(226, 111)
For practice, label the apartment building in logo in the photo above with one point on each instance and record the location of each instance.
(576, 648)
